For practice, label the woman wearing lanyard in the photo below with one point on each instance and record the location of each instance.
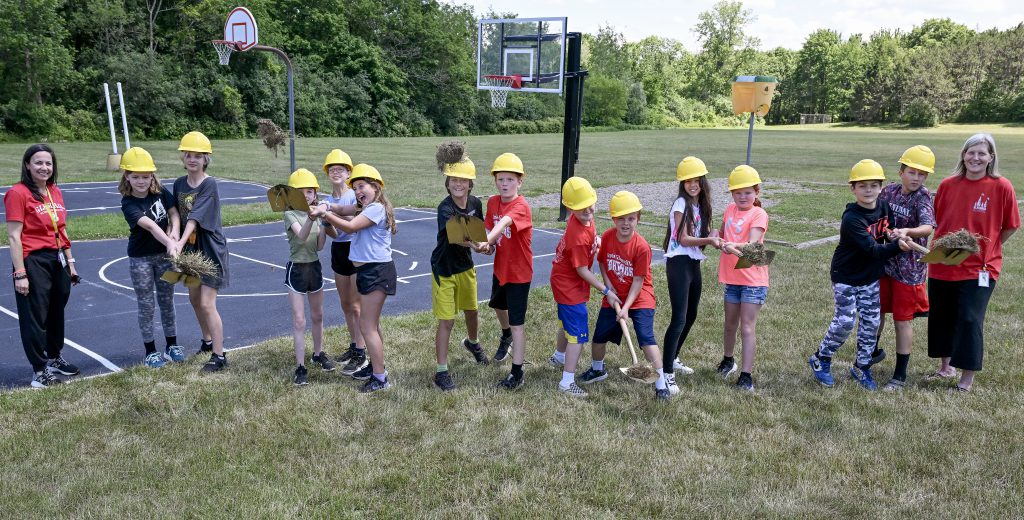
(43, 266)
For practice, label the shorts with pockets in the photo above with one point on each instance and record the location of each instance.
(608, 329)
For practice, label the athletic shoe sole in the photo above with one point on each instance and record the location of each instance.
(595, 380)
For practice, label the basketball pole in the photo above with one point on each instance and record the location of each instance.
(750, 138)
(573, 112)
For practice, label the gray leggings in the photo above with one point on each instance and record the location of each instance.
(853, 301)
(146, 272)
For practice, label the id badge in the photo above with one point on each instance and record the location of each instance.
(982, 278)
(63, 259)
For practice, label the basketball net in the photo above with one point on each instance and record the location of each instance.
(498, 97)
(224, 49)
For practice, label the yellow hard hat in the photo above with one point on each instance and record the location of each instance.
(337, 156)
(690, 168)
(743, 176)
(578, 194)
(867, 170)
(365, 171)
(624, 203)
(195, 142)
(920, 157)
(508, 162)
(464, 169)
(136, 159)
(303, 178)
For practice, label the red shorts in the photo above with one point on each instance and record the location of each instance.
(904, 302)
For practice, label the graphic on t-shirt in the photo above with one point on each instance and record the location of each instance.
(620, 267)
(737, 226)
(981, 205)
(157, 212)
(878, 229)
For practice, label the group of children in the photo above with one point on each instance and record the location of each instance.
(873, 270)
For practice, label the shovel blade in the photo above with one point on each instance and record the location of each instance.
(650, 379)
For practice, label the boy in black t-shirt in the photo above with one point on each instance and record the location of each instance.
(452, 270)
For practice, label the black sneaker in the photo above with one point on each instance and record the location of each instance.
(503, 345)
(204, 348)
(662, 394)
(363, 373)
(354, 363)
(593, 376)
(877, 356)
(301, 376)
(60, 366)
(375, 384)
(511, 382)
(323, 362)
(44, 378)
(216, 363)
(478, 352)
(726, 367)
(745, 382)
(347, 355)
(443, 380)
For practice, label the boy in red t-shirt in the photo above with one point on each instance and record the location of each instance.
(571, 280)
(509, 235)
(625, 261)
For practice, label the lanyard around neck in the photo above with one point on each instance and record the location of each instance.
(52, 212)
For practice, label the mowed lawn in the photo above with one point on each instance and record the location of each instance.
(173, 443)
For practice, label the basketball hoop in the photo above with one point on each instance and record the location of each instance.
(500, 96)
(224, 49)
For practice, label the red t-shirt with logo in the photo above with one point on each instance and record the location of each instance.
(575, 249)
(37, 225)
(623, 262)
(513, 256)
(986, 207)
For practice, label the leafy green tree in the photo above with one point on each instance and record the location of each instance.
(725, 49)
(604, 100)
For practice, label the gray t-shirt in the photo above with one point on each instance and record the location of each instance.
(202, 204)
(372, 244)
(346, 199)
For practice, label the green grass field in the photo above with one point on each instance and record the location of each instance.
(245, 443)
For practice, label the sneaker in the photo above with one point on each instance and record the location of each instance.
(503, 345)
(678, 366)
(355, 363)
(301, 376)
(511, 382)
(43, 379)
(662, 394)
(443, 380)
(154, 360)
(363, 373)
(573, 390)
(60, 366)
(894, 385)
(204, 348)
(553, 361)
(863, 376)
(323, 362)
(175, 353)
(670, 383)
(478, 352)
(216, 363)
(745, 382)
(375, 384)
(822, 370)
(347, 355)
(593, 376)
(726, 367)
(877, 356)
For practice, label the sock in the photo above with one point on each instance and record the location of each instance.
(745, 374)
(207, 345)
(505, 333)
(567, 379)
(560, 356)
(660, 383)
(362, 348)
(728, 358)
(442, 368)
(473, 342)
(381, 377)
(150, 347)
(352, 345)
(902, 360)
(517, 371)
(171, 340)
(597, 364)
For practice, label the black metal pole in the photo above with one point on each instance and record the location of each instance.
(291, 98)
(573, 108)
(750, 137)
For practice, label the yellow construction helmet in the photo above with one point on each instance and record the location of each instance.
(365, 171)
(195, 142)
(303, 178)
(464, 169)
(578, 194)
(867, 170)
(508, 162)
(743, 176)
(136, 159)
(337, 156)
(919, 157)
(624, 203)
(690, 168)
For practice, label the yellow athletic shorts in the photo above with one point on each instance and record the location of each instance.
(453, 294)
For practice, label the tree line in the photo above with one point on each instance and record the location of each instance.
(408, 68)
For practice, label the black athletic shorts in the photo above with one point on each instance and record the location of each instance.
(376, 276)
(340, 263)
(511, 297)
(304, 277)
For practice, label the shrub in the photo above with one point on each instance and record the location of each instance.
(920, 114)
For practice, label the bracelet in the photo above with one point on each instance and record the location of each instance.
(19, 276)
(71, 260)
(606, 290)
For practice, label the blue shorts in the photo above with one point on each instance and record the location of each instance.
(756, 294)
(575, 322)
(608, 329)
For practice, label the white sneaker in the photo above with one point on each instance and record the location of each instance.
(678, 366)
(670, 382)
(573, 389)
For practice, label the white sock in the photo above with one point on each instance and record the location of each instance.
(381, 377)
(567, 379)
(660, 383)
(597, 365)
(560, 356)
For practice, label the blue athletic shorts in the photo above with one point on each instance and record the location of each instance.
(756, 294)
(575, 322)
(608, 329)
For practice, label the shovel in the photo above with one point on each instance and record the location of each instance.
(940, 255)
(646, 374)
(283, 198)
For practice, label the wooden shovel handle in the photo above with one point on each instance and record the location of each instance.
(918, 247)
(625, 332)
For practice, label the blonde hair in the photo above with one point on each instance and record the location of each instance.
(992, 170)
(125, 188)
(389, 210)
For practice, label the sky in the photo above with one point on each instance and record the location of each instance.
(779, 23)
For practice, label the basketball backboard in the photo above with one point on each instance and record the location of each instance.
(531, 50)
(240, 28)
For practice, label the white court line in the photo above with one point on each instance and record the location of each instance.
(414, 220)
(326, 279)
(413, 266)
(249, 239)
(417, 210)
(410, 277)
(102, 360)
(91, 209)
(403, 253)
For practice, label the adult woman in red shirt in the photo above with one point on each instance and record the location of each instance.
(43, 266)
(978, 199)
